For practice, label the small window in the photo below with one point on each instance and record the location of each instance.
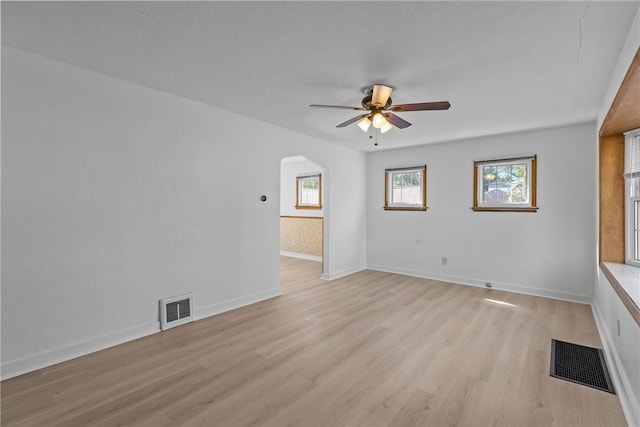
(505, 185)
(406, 188)
(309, 192)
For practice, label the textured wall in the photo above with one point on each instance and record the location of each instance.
(302, 235)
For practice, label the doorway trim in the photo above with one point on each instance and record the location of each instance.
(287, 212)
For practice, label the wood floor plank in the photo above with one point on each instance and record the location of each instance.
(416, 411)
(369, 349)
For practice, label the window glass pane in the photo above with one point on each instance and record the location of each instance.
(636, 231)
(406, 187)
(634, 187)
(504, 184)
(632, 154)
(309, 191)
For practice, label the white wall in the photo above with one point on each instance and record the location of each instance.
(623, 351)
(115, 195)
(293, 167)
(548, 253)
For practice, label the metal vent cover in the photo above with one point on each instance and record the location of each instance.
(581, 365)
(176, 311)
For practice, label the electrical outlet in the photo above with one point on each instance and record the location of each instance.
(444, 260)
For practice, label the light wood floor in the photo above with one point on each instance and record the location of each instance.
(371, 349)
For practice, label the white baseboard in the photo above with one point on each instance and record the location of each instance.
(583, 299)
(48, 358)
(628, 401)
(301, 256)
(325, 276)
(211, 310)
(342, 273)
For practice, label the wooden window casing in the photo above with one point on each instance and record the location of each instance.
(532, 206)
(299, 203)
(388, 203)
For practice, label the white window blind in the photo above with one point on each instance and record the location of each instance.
(632, 154)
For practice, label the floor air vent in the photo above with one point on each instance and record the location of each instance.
(581, 365)
(176, 311)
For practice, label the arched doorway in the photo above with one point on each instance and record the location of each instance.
(303, 211)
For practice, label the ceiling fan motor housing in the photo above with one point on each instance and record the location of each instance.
(366, 103)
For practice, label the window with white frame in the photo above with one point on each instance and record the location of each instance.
(406, 188)
(506, 184)
(632, 196)
(309, 192)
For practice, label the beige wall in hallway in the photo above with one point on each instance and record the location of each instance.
(301, 235)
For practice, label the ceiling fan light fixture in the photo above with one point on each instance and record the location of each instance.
(378, 120)
(364, 124)
(379, 110)
(386, 127)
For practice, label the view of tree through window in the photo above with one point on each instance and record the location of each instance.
(505, 184)
(309, 192)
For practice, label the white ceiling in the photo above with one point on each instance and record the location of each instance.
(504, 66)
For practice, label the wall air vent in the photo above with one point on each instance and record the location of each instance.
(176, 311)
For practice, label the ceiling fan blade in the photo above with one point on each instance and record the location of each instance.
(337, 106)
(397, 121)
(422, 106)
(380, 95)
(353, 120)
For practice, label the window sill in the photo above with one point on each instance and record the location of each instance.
(309, 207)
(625, 280)
(394, 208)
(498, 209)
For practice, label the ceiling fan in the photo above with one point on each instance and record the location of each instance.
(379, 110)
